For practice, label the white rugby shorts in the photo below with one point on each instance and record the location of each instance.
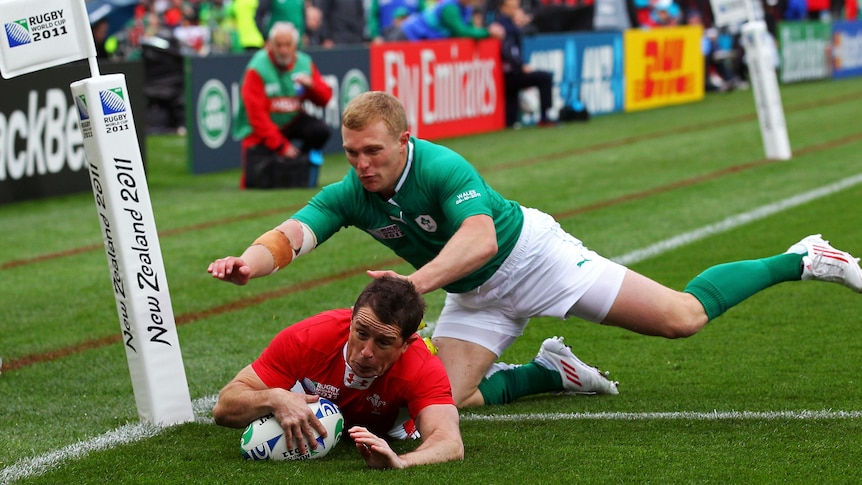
(548, 273)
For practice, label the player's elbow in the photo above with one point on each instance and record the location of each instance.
(488, 248)
(458, 453)
(219, 415)
(222, 417)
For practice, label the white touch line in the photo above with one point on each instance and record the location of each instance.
(736, 221)
(133, 432)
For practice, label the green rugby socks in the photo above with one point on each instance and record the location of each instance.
(723, 286)
(504, 386)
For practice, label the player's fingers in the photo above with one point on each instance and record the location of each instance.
(319, 427)
(297, 437)
(308, 432)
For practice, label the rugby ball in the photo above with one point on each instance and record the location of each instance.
(264, 438)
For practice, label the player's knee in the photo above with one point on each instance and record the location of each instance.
(682, 323)
(466, 400)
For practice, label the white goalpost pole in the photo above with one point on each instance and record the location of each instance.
(761, 69)
(764, 82)
(47, 33)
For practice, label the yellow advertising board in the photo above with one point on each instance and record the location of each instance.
(663, 66)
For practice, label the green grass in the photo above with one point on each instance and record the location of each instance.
(619, 182)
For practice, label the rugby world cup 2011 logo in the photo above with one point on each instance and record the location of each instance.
(18, 33)
(113, 101)
(83, 111)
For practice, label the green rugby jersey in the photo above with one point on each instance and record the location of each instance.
(436, 192)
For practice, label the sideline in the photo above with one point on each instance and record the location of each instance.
(733, 222)
(130, 433)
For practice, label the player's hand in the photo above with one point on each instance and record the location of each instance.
(374, 450)
(302, 78)
(290, 151)
(496, 30)
(298, 421)
(231, 269)
(374, 273)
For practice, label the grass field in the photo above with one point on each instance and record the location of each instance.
(770, 392)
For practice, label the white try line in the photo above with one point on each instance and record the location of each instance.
(125, 434)
(671, 416)
(203, 407)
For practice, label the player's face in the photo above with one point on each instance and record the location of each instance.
(377, 155)
(373, 346)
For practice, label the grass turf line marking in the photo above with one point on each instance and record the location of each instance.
(803, 415)
(39, 464)
(733, 222)
(128, 433)
(134, 432)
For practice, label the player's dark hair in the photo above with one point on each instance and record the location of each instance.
(395, 301)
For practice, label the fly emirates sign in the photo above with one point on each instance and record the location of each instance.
(448, 87)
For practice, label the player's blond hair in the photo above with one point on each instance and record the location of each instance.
(373, 106)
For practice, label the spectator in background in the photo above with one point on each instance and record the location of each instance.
(819, 9)
(100, 38)
(717, 76)
(516, 74)
(173, 15)
(193, 37)
(248, 35)
(215, 14)
(447, 19)
(664, 13)
(383, 15)
(393, 32)
(277, 80)
(313, 24)
(343, 22)
(271, 11)
(796, 10)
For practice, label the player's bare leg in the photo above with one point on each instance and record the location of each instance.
(466, 364)
(649, 308)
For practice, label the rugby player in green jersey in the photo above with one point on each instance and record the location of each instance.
(501, 263)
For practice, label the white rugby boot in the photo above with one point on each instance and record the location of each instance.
(578, 377)
(822, 262)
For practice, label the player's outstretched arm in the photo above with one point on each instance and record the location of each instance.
(440, 429)
(441, 441)
(374, 449)
(270, 252)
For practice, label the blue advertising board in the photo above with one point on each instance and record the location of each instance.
(846, 49)
(587, 68)
(212, 98)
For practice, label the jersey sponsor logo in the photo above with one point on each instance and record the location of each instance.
(387, 232)
(465, 196)
(427, 223)
(284, 104)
